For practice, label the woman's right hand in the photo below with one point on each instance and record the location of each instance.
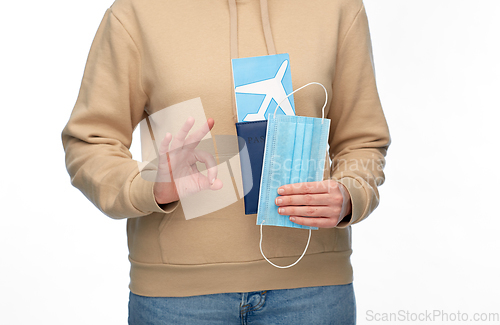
(177, 175)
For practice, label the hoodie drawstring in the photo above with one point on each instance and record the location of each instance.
(266, 26)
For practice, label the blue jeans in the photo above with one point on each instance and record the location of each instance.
(314, 305)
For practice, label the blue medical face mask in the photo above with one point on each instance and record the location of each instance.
(295, 152)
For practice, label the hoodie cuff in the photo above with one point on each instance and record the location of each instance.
(358, 201)
(143, 199)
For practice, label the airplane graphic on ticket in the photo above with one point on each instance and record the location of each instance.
(260, 84)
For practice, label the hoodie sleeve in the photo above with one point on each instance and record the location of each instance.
(98, 134)
(359, 138)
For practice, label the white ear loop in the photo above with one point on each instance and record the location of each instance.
(311, 83)
(308, 239)
(278, 266)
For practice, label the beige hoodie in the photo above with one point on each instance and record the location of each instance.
(148, 55)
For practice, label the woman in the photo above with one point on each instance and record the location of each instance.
(149, 55)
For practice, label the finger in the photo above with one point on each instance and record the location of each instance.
(309, 211)
(164, 144)
(194, 139)
(315, 222)
(306, 199)
(305, 188)
(205, 184)
(163, 163)
(209, 162)
(179, 138)
(163, 150)
(216, 185)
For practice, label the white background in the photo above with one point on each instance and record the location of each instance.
(433, 243)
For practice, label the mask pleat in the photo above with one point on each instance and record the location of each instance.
(285, 143)
(325, 131)
(318, 150)
(306, 152)
(297, 152)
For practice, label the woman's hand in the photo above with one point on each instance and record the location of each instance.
(178, 175)
(317, 204)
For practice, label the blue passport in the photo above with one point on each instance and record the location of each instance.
(253, 136)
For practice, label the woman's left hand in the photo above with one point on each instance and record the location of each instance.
(316, 204)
